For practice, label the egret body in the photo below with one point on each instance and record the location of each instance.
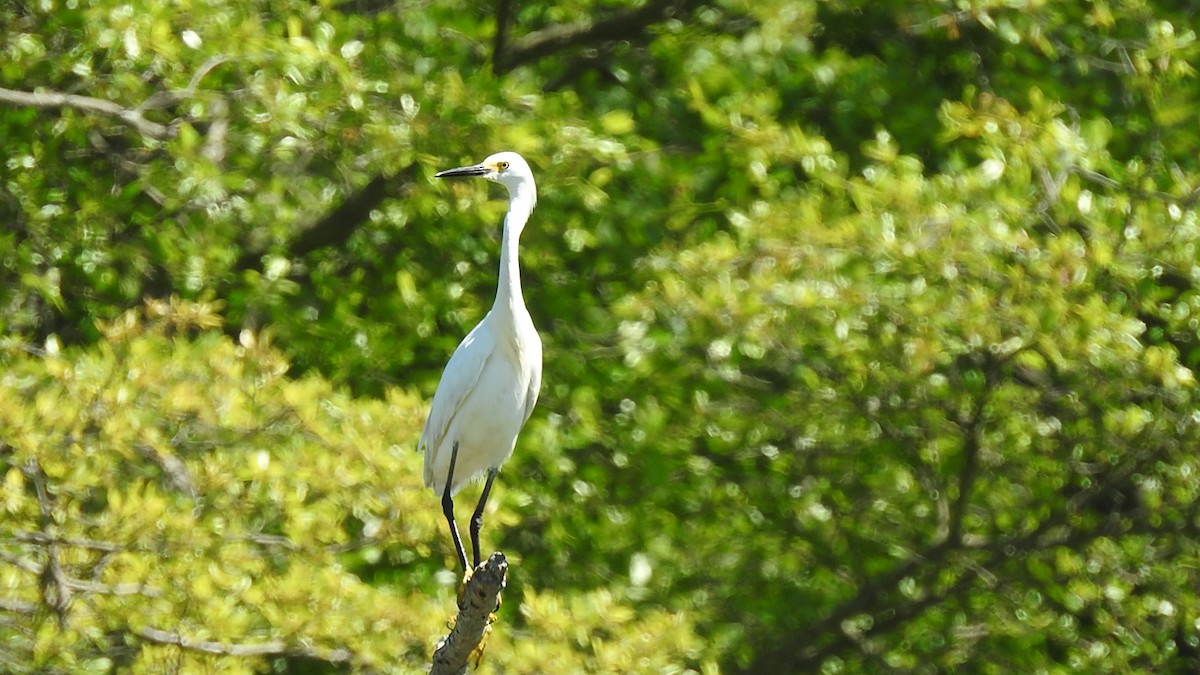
(491, 382)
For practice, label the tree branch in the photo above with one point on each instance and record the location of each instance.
(270, 648)
(98, 106)
(131, 117)
(56, 593)
(500, 41)
(113, 589)
(878, 597)
(966, 475)
(45, 539)
(474, 619)
(18, 606)
(337, 225)
(341, 222)
(620, 25)
(173, 468)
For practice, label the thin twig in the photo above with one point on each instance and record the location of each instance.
(56, 592)
(79, 542)
(269, 648)
(113, 589)
(17, 606)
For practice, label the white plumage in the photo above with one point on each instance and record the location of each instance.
(492, 380)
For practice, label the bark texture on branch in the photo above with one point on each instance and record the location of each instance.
(474, 617)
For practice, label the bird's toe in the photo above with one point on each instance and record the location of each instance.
(462, 589)
(477, 654)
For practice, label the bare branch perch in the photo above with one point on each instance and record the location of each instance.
(482, 594)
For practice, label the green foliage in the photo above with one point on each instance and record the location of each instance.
(174, 482)
(871, 332)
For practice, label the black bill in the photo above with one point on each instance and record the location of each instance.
(463, 171)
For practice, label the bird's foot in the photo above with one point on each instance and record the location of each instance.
(477, 654)
(462, 589)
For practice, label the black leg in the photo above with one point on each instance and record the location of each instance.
(448, 509)
(477, 519)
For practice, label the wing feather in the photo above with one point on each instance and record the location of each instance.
(531, 397)
(458, 379)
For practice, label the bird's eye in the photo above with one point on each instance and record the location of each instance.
(503, 166)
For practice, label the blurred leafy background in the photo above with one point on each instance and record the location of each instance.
(871, 333)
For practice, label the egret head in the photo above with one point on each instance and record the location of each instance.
(507, 168)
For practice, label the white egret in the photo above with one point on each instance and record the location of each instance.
(491, 382)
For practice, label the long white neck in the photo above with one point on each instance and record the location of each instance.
(508, 292)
